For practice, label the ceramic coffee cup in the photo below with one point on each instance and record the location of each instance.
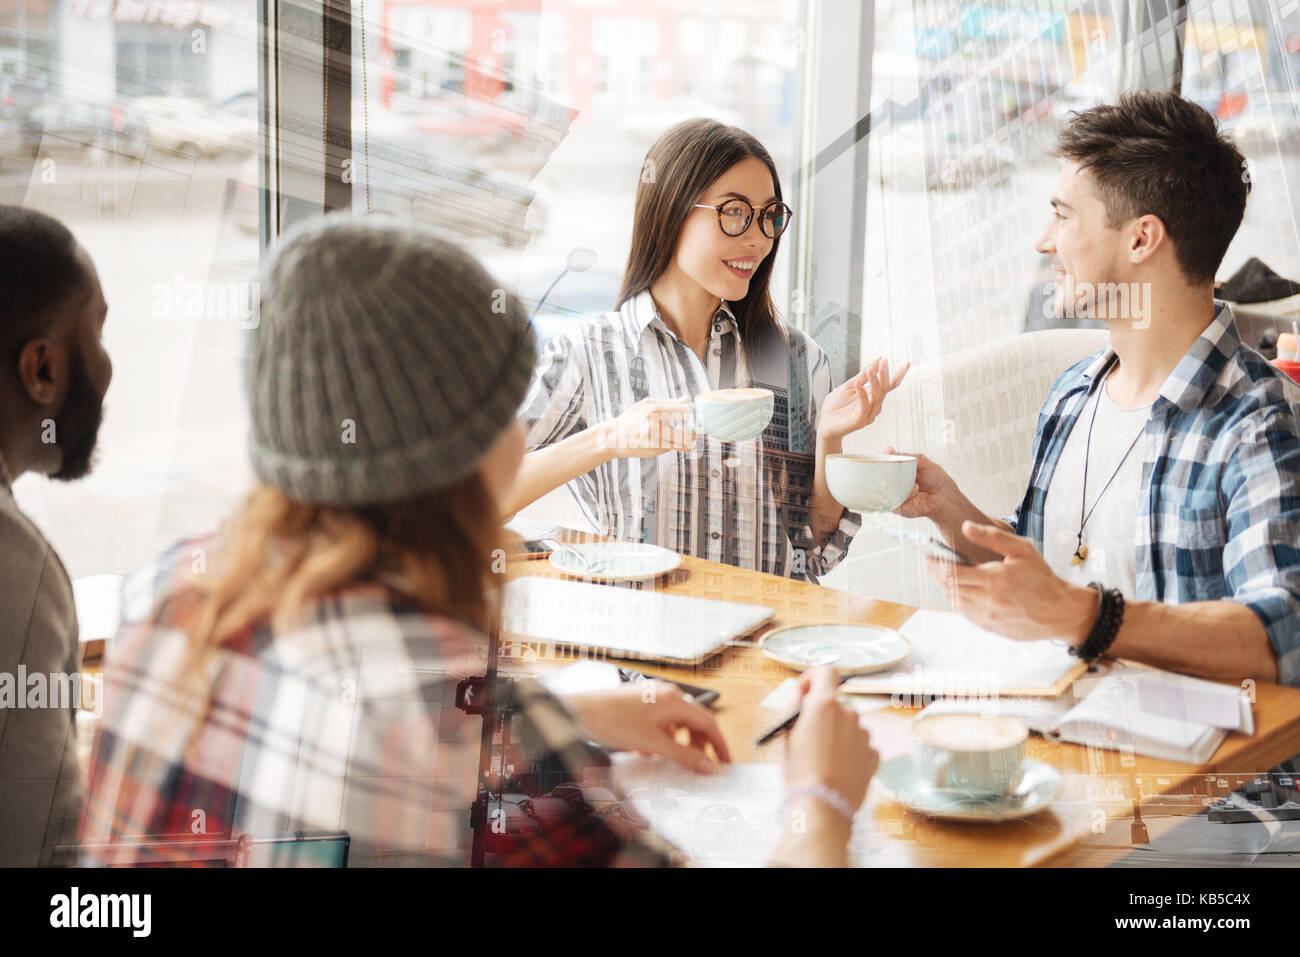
(870, 483)
(969, 752)
(736, 415)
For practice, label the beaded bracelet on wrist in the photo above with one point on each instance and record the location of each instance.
(826, 795)
(1105, 627)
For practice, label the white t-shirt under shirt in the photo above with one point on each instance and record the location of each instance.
(1109, 535)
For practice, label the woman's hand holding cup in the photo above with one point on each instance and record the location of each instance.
(649, 428)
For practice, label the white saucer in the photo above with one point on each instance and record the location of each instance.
(900, 778)
(852, 648)
(616, 561)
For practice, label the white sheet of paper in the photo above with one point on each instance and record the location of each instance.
(731, 818)
(735, 817)
(785, 696)
(1193, 699)
(1114, 704)
(952, 657)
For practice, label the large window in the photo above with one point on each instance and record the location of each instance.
(910, 135)
(136, 125)
(967, 100)
(1242, 62)
(520, 131)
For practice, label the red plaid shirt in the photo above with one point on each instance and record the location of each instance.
(343, 719)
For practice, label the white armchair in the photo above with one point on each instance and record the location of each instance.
(974, 412)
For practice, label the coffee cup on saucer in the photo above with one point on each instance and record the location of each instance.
(736, 415)
(870, 483)
(979, 754)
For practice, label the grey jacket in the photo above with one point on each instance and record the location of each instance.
(40, 780)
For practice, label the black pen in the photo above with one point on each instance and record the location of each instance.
(785, 725)
(704, 696)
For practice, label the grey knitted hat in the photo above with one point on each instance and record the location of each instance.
(386, 362)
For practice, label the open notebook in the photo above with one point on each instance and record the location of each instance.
(1134, 707)
(734, 817)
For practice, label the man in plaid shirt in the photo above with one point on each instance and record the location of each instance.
(1181, 484)
(341, 720)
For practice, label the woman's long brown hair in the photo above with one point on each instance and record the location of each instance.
(434, 553)
(678, 170)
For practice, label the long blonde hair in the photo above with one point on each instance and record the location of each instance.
(435, 552)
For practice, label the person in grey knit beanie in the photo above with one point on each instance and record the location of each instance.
(385, 364)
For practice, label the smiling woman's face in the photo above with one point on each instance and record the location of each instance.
(722, 264)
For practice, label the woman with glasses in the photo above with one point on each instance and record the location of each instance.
(609, 413)
(302, 668)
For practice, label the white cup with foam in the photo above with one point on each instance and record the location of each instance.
(737, 415)
(980, 754)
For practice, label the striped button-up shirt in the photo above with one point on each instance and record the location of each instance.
(744, 503)
(1219, 503)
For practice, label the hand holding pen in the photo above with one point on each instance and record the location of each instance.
(828, 748)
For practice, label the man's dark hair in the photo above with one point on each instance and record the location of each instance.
(39, 272)
(1159, 154)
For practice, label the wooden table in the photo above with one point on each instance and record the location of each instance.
(1099, 787)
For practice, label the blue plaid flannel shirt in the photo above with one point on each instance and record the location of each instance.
(1219, 507)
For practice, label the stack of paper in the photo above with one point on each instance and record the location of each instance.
(1111, 717)
(1192, 699)
(1043, 715)
(952, 657)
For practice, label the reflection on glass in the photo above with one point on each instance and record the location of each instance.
(517, 132)
(136, 125)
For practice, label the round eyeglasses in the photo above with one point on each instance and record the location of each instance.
(735, 215)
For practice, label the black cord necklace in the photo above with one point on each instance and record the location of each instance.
(1081, 552)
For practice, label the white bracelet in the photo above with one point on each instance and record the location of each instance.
(827, 795)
